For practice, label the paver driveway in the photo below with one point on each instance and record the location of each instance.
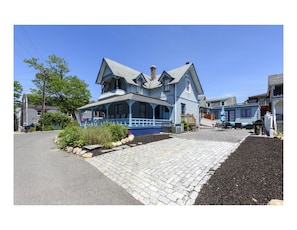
(170, 171)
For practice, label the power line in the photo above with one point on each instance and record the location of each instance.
(32, 42)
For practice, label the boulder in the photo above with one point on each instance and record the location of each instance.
(76, 150)
(69, 149)
(131, 137)
(275, 202)
(82, 152)
(118, 143)
(124, 141)
(87, 155)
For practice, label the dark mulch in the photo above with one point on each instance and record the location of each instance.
(253, 174)
(144, 139)
(139, 140)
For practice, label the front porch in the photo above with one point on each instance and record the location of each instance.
(138, 112)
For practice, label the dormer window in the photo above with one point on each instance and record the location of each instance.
(139, 83)
(166, 85)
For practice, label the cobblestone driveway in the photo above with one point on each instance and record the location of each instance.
(170, 171)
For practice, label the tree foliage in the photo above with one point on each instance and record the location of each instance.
(66, 92)
(18, 89)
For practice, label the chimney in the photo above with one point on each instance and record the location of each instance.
(153, 72)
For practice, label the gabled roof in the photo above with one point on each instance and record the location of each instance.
(178, 73)
(117, 69)
(130, 74)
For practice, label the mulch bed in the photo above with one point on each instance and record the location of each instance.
(144, 139)
(253, 174)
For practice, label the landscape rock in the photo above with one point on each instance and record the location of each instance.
(124, 141)
(69, 149)
(131, 137)
(87, 155)
(275, 202)
(76, 150)
(82, 152)
(118, 143)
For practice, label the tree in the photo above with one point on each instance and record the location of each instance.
(18, 89)
(54, 87)
(17, 93)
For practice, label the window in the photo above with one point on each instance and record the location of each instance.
(139, 86)
(278, 90)
(246, 113)
(166, 85)
(188, 87)
(183, 108)
(262, 101)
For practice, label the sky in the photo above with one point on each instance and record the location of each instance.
(230, 60)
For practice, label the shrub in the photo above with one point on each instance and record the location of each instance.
(71, 136)
(98, 135)
(76, 136)
(56, 119)
(118, 131)
(186, 125)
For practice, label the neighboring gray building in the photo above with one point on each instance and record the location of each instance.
(29, 114)
(141, 101)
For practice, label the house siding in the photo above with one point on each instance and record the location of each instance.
(189, 98)
(241, 114)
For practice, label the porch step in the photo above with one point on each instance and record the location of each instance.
(207, 122)
(92, 147)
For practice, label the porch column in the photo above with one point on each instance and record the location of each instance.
(92, 115)
(106, 110)
(274, 115)
(170, 112)
(130, 113)
(153, 106)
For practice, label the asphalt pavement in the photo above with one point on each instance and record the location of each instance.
(45, 175)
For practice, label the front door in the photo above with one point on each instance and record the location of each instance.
(230, 115)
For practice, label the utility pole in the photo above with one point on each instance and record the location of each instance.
(43, 100)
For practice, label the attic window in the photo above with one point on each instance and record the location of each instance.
(139, 86)
(166, 85)
(188, 87)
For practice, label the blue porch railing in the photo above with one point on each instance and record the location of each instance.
(135, 122)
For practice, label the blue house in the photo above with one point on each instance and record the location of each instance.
(144, 103)
(245, 114)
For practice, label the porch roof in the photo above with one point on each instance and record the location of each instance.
(125, 97)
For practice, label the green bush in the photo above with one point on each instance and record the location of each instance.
(98, 135)
(76, 136)
(186, 125)
(118, 131)
(57, 120)
(71, 136)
